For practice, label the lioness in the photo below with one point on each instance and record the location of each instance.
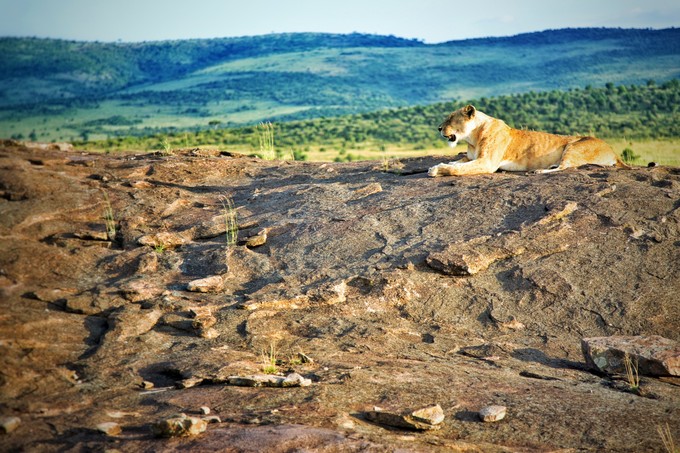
(494, 145)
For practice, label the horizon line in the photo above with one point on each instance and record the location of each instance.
(262, 35)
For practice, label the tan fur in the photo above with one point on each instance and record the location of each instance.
(493, 145)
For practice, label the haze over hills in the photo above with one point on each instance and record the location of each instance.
(54, 89)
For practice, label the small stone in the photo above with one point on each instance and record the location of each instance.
(468, 258)
(427, 418)
(204, 285)
(9, 424)
(346, 423)
(109, 428)
(257, 380)
(146, 385)
(91, 235)
(208, 334)
(189, 382)
(492, 413)
(204, 321)
(205, 410)
(257, 240)
(179, 426)
(212, 419)
(365, 191)
(141, 184)
(433, 415)
(148, 263)
(165, 239)
(198, 312)
(268, 380)
(295, 380)
(304, 358)
(132, 322)
(140, 290)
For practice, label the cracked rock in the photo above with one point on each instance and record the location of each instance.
(654, 355)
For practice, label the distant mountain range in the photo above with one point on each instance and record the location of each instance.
(55, 89)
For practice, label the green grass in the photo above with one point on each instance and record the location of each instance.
(662, 152)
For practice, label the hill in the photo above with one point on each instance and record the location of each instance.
(61, 89)
(382, 288)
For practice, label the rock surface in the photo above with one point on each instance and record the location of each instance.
(654, 355)
(404, 289)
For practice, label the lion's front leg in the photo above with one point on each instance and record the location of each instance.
(473, 167)
(441, 170)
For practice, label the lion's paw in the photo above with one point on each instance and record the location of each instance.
(434, 171)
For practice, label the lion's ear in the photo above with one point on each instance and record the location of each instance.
(469, 110)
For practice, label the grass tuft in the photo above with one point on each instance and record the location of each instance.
(269, 361)
(230, 221)
(266, 139)
(109, 220)
(167, 148)
(629, 156)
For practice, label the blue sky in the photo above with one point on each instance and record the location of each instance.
(428, 20)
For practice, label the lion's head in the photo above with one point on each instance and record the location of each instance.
(458, 125)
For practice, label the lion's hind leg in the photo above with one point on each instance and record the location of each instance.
(586, 150)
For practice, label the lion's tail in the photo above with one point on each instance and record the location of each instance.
(621, 164)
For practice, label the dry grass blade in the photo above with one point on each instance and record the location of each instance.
(632, 375)
(667, 438)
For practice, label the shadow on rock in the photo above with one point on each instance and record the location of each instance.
(535, 355)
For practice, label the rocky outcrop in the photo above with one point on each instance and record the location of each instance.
(405, 290)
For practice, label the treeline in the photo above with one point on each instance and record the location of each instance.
(86, 70)
(648, 111)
